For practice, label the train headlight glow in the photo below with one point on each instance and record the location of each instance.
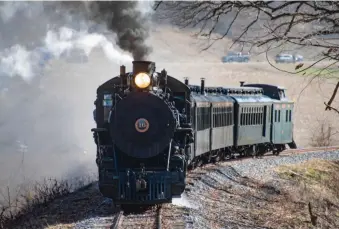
(142, 80)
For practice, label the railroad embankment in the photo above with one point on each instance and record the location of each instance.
(295, 191)
(286, 191)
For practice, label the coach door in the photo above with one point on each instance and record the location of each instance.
(264, 126)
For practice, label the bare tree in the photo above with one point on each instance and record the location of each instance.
(269, 24)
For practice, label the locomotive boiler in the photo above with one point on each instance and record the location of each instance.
(143, 135)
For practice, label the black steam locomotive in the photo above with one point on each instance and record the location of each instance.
(151, 128)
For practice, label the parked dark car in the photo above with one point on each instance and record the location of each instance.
(236, 57)
(288, 58)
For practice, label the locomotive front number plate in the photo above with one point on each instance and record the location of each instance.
(142, 125)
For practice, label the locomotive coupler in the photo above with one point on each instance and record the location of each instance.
(140, 185)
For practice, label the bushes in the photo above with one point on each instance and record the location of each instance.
(323, 134)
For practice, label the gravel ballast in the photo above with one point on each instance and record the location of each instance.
(226, 195)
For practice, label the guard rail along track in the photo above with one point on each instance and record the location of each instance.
(150, 218)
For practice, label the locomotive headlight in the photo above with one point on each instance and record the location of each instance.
(142, 80)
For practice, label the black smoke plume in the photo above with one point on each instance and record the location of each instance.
(123, 18)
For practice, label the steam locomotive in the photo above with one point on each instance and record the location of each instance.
(152, 128)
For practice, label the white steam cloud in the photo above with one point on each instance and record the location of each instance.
(28, 61)
(45, 103)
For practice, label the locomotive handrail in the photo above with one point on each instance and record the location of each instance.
(184, 129)
(99, 130)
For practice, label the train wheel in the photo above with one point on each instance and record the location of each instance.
(275, 152)
(218, 157)
(227, 155)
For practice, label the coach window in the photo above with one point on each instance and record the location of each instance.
(286, 114)
(198, 119)
(216, 116)
(253, 116)
(256, 119)
(213, 110)
(249, 112)
(260, 116)
(248, 116)
(229, 110)
(245, 121)
(275, 116)
(208, 117)
(202, 117)
(290, 116)
(221, 116)
(279, 115)
(242, 117)
(225, 116)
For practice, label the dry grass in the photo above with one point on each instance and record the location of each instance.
(33, 197)
(315, 194)
(306, 196)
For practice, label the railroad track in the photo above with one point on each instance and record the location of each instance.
(150, 218)
(287, 152)
(310, 150)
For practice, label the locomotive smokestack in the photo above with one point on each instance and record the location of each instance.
(122, 70)
(242, 83)
(186, 80)
(202, 87)
(143, 66)
(123, 76)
